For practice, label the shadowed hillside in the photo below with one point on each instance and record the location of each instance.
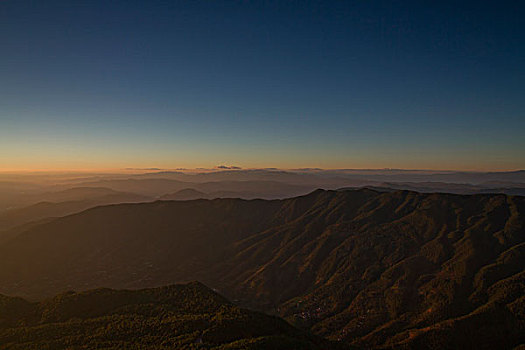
(64, 203)
(187, 316)
(394, 269)
(376, 269)
(185, 194)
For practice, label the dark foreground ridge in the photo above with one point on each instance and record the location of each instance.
(189, 316)
(374, 269)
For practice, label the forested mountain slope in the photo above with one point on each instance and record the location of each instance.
(187, 316)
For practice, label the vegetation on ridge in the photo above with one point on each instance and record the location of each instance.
(187, 316)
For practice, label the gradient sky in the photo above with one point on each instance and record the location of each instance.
(332, 84)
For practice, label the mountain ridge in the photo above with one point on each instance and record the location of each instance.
(182, 316)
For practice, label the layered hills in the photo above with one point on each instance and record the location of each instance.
(61, 203)
(248, 189)
(370, 268)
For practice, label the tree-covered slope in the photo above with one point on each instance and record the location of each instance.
(187, 316)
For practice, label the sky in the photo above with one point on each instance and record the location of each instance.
(330, 84)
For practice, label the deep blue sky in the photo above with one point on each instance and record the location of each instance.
(354, 84)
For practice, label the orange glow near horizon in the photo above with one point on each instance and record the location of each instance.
(138, 170)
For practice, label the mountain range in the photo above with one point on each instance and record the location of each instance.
(370, 268)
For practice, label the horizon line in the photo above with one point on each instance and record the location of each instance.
(154, 170)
